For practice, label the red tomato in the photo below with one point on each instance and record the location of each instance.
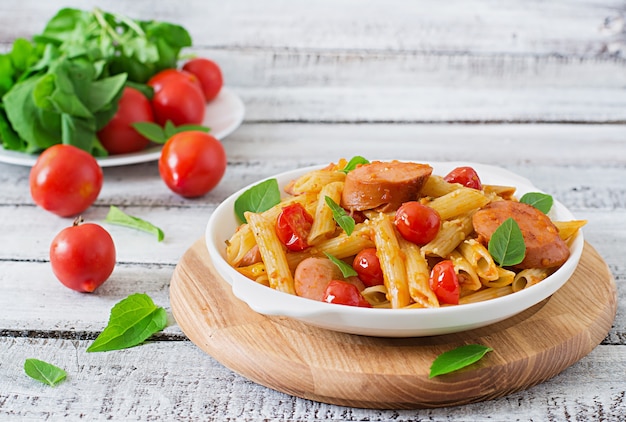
(165, 76)
(65, 180)
(192, 163)
(293, 226)
(118, 136)
(367, 266)
(466, 176)
(82, 256)
(417, 223)
(445, 283)
(180, 101)
(209, 74)
(344, 293)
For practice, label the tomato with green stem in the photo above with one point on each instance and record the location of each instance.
(65, 180)
(82, 256)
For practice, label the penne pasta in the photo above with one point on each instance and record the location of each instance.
(314, 181)
(435, 187)
(458, 202)
(505, 278)
(418, 275)
(479, 257)
(323, 223)
(568, 229)
(468, 279)
(486, 294)
(450, 235)
(529, 277)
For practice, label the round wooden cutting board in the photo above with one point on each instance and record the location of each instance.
(392, 373)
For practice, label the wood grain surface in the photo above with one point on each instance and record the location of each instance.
(385, 373)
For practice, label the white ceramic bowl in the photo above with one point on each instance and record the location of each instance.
(387, 322)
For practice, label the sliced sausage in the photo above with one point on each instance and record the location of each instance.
(313, 274)
(544, 247)
(383, 185)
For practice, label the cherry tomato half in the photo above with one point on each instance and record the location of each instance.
(466, 176)
(209, 74)
(118, 136)
(445, 283)
(82, 256)
(343, 293)
(179, 100)
(65, 180)
(192, 163)
(367, 266)
(417, 223)
(293, 226)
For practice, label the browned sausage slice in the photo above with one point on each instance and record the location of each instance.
(544, 247)
(383, 185)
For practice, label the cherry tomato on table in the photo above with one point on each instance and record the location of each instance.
(466, 176)
(192, 163)
(209, 74)
(344, 293)
(367, 266)
(177, 97)
(444, 282)
(65, 180)
(118, 136)
(293, 226)
(82, 256)
(417, 223)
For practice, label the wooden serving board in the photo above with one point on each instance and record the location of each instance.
(391, 373)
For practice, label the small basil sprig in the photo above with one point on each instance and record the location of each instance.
(345, 269)
(258, 198)
(119, 217)
(44, 371)
(506, 245)
(341, 216)
(160, 135)
(458, 358)
(543, 202)
(132, 321)
(353, 163)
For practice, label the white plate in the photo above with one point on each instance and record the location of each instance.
(223, 115)
(388, 322)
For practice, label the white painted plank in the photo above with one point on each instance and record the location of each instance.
(176, 381)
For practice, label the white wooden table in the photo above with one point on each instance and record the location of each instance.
(536, 87)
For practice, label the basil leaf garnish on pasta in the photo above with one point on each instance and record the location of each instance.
(541, 201)
(258, 198)
(341, 216)
(353, 163)
(345, 269)
(506, 245)
(458, 358)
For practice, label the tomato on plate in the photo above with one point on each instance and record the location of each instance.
(293, 226)
(417, 223)
(192, 163)
(65, 180)
(444, 282)
(344, 293)
(209, 74)
(367, 266)
(118, 136)
(178, 99)
(466, 176)
(82, 256)
(159, 80)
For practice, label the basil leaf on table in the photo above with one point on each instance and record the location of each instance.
(341, 216)
(258, 198)
(458, 358)
(133, 320)
(119, 217)
(44, 371)
(506, 245)
(541, 201)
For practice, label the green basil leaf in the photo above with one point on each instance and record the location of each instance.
(133, 320)
(152, 131)
(345, 269)
(543, 202)
(44, 371)
(506, 245)
(170, 129)
(119, 217)
(258, 198)
(458, 358)
(341, 216)
(354, 162)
